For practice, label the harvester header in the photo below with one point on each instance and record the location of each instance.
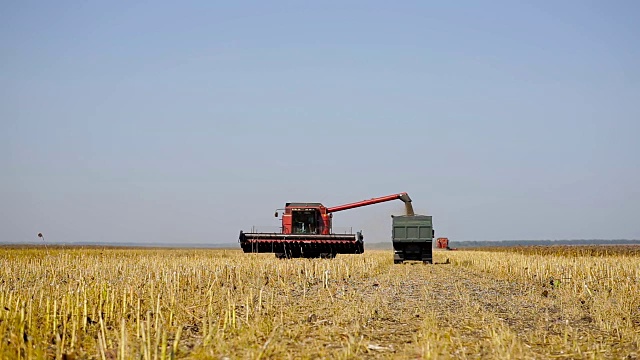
(306, 231)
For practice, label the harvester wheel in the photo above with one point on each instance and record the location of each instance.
(397, 261)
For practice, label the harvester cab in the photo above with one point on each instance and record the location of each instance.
(306, 231)
(306, 221)
(305, 218)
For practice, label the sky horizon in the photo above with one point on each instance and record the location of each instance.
(166, 123)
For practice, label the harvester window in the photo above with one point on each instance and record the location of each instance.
(305, 222)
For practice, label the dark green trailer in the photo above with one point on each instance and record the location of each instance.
(412, 238)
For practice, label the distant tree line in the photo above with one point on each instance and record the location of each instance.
(386, 245)
(542, 242)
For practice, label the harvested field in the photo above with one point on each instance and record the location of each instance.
(155, 304)
(569, 250)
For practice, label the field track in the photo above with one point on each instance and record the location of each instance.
(450, 311)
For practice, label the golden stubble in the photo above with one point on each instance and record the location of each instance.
(172, 303)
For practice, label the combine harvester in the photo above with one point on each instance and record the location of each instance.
(306, 231)
(443, 243)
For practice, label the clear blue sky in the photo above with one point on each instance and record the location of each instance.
(189, 121)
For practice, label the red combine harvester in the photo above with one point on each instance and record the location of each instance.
(443, 243)
(306, 231)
